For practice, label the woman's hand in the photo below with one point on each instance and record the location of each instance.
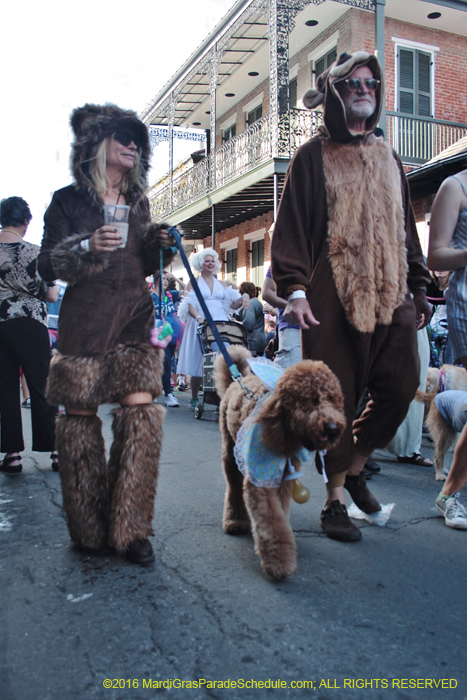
(104, 240)
(165, 240)
(52, 294)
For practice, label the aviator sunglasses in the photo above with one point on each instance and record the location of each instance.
(355, 84)
(126, 137)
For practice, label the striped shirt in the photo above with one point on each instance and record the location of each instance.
(456, 297)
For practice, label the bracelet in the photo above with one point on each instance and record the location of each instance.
(298, 294)
(199, 317)
(84, 245)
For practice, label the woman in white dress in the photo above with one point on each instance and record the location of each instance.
(221, 299)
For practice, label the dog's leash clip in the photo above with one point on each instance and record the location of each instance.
(249, 394)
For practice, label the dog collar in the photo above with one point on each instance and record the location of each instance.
(442, 380)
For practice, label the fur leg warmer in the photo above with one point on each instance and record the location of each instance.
(83, 476)
(133, 470)
(82, 382)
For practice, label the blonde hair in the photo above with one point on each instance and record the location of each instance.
(197, 259)
(98, 167)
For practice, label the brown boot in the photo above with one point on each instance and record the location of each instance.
(361, 494)
(133, 469)
(84, 479)
(140, 552)
(337, 524)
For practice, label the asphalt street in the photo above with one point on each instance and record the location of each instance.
(360, 620)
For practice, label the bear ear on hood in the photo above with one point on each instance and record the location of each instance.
(80, 115)
(313, 98)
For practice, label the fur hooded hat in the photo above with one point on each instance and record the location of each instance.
(91, 124)
(335, 121)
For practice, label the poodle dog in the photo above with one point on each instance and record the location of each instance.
(305, 409)
(444, 379)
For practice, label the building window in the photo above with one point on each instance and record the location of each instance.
(257, 262)
(414, 74)
(324, 62)
(230, 132)
(231, 265)
(293, 93)
(254, 115)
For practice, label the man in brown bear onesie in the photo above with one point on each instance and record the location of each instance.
(346, 245)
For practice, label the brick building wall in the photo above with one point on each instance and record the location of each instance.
(227, 119)
(258, 223)
(450, 62)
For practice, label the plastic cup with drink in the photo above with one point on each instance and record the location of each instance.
(118, 216)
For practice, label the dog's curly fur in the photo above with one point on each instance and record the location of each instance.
(443, 435)
(305, 409)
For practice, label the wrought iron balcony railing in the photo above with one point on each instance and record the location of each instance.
(415, 139)
(241, 154)
(419, 139)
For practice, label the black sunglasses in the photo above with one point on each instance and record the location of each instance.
(126, 137)
(355, 84)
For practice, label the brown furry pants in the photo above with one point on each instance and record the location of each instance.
(386, 362)
(108, 503)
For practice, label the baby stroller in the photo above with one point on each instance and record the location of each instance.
(231, 332)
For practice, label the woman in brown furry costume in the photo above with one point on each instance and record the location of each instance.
(103, 336)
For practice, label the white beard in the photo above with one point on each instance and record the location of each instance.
(362, 110)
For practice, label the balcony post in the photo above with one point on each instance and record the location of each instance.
(213, 78)
(276, 195)
(380, 53)
(171, 119)
(279, 29)
(213, 226)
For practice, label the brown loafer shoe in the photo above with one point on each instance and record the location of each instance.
(337, 524)
(361, 494)
(140, 552)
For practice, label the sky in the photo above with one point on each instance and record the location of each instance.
(60, 55)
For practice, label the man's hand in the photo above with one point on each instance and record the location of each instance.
(298, 313)
(423, 308)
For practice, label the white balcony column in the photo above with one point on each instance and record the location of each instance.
(171, 119)
(380, 53)
(279, 30)
(213, 78)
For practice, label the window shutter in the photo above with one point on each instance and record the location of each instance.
(257, 262)
(331, 57)
(414, 82)
(231, 265)
(293, 93)
(406, 81)
(424, 84)
(319, 67)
